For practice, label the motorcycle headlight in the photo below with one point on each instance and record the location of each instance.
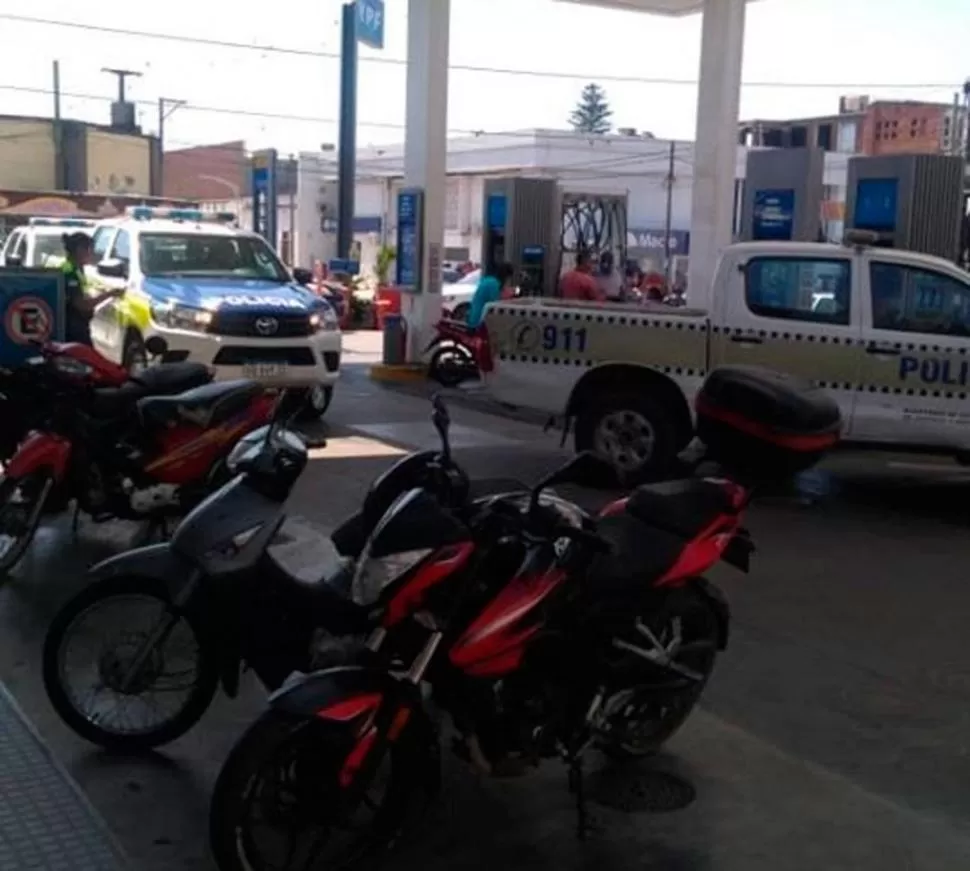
(374, 574)
(181, 317)
(324, 318)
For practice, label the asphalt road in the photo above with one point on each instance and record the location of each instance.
(833, 734)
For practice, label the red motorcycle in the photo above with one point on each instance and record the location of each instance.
(539, 631)
(121, 446)
(458, 352)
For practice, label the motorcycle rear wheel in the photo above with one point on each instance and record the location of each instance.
(649, 718)
(56, 648)
(33, 490)
(452, 364)
(286, 768)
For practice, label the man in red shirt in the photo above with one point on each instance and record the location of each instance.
(579, 283)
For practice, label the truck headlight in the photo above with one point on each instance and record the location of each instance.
(324, 319)
(181, 317)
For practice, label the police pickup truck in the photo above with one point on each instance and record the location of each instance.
(39, 244)
(217, 295)
(886, 331)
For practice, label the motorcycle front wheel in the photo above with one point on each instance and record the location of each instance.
(278, 803)
(21, 506)
(124, 669)
(657, 701)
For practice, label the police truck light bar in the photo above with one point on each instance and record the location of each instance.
(60, 222)
(192, 216)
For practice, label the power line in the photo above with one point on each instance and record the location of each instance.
(540, 74)
(617, 143)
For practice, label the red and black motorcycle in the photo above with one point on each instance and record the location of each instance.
(141, 447)
(539, 632)
(458, 352)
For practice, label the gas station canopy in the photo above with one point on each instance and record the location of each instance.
(657, 7)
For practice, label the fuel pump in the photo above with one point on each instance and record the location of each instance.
(532, 271)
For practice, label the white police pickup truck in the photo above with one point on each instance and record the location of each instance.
(39, 244)
(216, 295)
(886, 331)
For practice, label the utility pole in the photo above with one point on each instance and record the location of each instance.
(60, 161)
(122, 78)
(668, 259)
(294, 174)
(166, 106)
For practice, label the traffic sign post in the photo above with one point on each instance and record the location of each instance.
(32, 309)
(264, 195)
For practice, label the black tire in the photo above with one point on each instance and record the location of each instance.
(667, 712)
(36, 487)
(134, 356)
(667, 441)
(304, 409)
(197, 703)
(276, 737)
(450, 374)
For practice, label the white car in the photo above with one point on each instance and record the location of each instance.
(457, 297)
(216, 295)
(39, 244)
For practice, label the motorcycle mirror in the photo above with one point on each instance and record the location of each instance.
(442, 422)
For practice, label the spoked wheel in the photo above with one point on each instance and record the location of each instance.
(124, 670)
(657, 702)
(278, 804)
(21, 506)
(452, 364)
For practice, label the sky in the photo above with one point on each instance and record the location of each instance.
(800, 56)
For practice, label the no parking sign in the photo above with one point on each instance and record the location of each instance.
(32, 309)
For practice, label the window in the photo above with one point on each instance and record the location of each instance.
(918, 300)
(122, 247)
(799, 289)
(824, 137)
(100, 243)
(203, 255)
(47, 248)
(20, 248)
(11, 242)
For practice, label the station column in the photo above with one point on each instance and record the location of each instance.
(715, 142)
(425, 154)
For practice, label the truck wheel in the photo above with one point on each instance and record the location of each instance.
(636, 433)
(312, 404)
(134, 357)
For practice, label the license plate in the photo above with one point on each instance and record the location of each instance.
(264, 371)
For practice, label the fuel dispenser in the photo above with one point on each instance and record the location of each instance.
(910, 201)
(535, 225)
(782, 199)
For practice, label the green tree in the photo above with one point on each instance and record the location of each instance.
(592, 113)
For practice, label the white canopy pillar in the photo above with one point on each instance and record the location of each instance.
(716, 143)
(425, 155)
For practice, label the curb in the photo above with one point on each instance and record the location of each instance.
(397, 374)
(96, 820)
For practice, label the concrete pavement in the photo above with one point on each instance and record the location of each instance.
(832, 734)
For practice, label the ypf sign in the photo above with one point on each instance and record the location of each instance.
(370, 23)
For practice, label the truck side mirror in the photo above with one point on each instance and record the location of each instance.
(112, 268)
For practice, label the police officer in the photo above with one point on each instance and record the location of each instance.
(79, 306)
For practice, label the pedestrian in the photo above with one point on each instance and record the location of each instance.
(608, 279)
(578, 283)
(79, 306)
(491, 287)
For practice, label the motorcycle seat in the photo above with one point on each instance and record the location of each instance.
(203, 406)
(169, 378)
(450, 325)
(683, 507)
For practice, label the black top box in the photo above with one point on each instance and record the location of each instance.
(763, 424)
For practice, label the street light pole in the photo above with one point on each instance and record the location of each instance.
(166, 107)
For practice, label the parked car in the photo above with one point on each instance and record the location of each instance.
(456, 296)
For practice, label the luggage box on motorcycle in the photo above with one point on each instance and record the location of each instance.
(764, 424)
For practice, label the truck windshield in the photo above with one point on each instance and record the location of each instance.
(47, 247)
(197, 254)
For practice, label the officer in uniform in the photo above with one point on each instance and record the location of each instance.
(79, 306)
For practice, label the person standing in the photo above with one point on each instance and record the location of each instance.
(578, 283)
(78, 305)
(490, 288)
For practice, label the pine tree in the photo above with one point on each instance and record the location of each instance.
(592, 113)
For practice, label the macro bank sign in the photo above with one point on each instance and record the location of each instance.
(656, 240)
